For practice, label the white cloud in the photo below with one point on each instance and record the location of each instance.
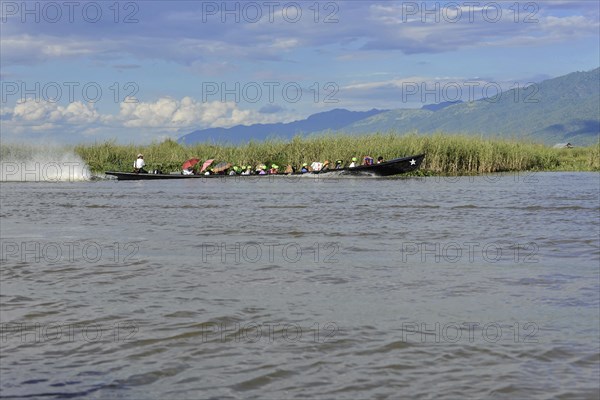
(285, 44)
(573, 24)
(412, 28)
(187, 112)
(165, 117)
(48, 112)
(176, 33)
(25, 49)
(415, 91)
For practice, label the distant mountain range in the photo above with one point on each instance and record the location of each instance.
(563, 109)
(330, 120)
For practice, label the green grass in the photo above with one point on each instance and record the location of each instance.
(446, 154)
(579, 159)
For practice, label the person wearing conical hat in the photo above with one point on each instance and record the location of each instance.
(260, 169)
(353, 163)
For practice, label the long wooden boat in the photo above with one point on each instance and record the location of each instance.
(386, 168)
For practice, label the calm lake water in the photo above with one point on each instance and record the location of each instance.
(480, 287)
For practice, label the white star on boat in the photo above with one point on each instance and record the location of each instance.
(413, 162)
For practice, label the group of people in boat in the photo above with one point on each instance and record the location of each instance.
(262, 169)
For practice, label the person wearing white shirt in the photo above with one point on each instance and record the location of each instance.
(316, 166)
(139, 164)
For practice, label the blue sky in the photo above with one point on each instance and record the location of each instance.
(139, 71)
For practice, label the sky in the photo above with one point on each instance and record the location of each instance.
(142, 71)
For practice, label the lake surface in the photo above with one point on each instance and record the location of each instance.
(479, 287)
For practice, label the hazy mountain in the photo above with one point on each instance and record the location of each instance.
(330, 120)
(439, 106)
(563, 109)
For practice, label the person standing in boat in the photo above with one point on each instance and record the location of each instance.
(353, 163)
(139, 164)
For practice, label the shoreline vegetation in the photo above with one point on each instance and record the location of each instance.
(446, 154)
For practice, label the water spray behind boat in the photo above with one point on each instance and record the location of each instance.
(36, 163)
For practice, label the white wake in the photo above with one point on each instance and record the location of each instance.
(37, 163)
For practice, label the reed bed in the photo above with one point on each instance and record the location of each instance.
(446, 154)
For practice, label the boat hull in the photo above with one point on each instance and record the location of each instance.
(387, 168)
